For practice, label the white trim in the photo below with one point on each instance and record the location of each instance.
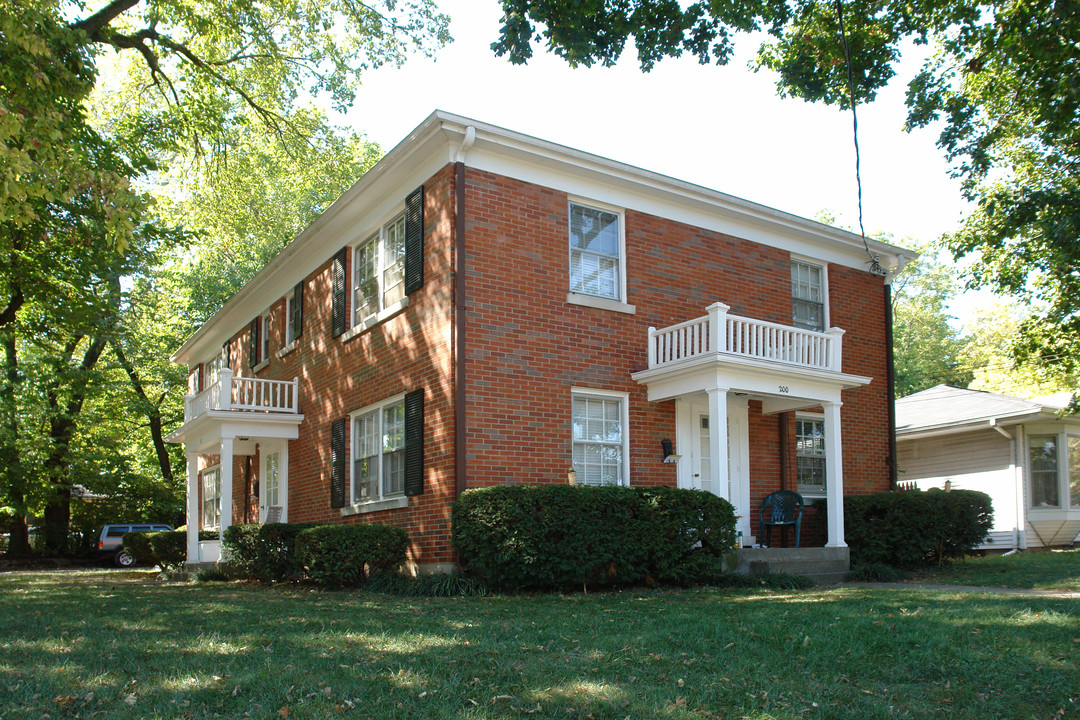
(624, 420)
(434, 143)
(600, 303)
(201, 475)
(620, 214)
(287, 333)
(376, 503)
(264, 337)
(392, 503)
(378, 235)
(374, 320)
(286, 350)
(260, 366)
(814, 417)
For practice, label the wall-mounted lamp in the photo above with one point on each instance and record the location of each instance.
(669, 451)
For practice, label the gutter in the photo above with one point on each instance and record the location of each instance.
(460, 467)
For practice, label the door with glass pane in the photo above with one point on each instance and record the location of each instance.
(270, 496)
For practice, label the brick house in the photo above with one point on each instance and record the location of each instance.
(485, 307)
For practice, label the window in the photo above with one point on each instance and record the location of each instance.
(264, 337)
(810, 455)
(379, 271)
(378, 451)
(595, 252)
(1044, 470)
(1074, 470)
(214, 368)
(294, 314)
(599, 440)
(808, 295)
(194, 387)
(211, 498)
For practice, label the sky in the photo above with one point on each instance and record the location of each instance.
(724, 128)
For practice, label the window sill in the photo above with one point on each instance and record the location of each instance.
(375, 506)
(261, 365)
(374, 320)
(287, 349)
(600, 303)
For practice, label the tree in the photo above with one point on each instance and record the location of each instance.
(928, 349)
(1002, 82)
(71, 225)
(996, 366)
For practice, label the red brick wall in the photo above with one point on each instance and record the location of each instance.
(527, 347)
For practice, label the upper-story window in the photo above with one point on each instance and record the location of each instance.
(214, 368)
(379, 271)
(808, 295)
(595, 252)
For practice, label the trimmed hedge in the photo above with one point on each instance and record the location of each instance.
(347, 555)
(164, 548)
(536, 536)
(913, 527)
(265, 553)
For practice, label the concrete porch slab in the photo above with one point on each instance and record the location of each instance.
(823, 565)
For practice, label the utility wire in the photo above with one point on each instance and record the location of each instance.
(875, 265)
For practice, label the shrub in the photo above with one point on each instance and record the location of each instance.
(347, 555)
(912, 528)
(534, 536)
(169, 548)
(266, 553)
(137, 545)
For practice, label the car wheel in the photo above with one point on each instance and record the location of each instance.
(122, 559)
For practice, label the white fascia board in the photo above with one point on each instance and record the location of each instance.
(437, 141)
(982, 423)
(591, 176)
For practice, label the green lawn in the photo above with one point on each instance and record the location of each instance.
(1047, 570)
(95, 644)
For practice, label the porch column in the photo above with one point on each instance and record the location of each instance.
(834, 476)
(718, 452)
(226, 485)
(192, 507)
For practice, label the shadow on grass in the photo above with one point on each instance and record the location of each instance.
(72, 647)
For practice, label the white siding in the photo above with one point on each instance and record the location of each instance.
(978, 460)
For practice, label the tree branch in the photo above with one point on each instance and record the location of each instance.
(96, 23)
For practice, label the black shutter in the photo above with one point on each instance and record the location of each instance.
(253, 343)
(337, 294)
(297, 318)
(337, 462)
(226, 353)
(414, 442)
(414, 241)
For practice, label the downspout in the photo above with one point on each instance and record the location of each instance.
(460, 483)
(890, 367)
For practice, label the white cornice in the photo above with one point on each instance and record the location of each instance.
(439, 140)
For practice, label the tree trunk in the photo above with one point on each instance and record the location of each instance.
(12, 470)
(153, 413)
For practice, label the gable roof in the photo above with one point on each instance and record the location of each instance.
(444, 138)
(943, 408)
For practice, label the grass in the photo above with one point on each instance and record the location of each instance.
(103, 644)
(1042, 569)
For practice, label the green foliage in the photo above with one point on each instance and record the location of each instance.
(265, 553)
(137, 545)
(911, 528)
(928, 349)
(876, 572)
(348, 555)
(169, 548)
(766, 581)
(543, 536)
(436, 585)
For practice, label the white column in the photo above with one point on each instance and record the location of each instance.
(192, 507)
(717, 326)
(226, 484)
(718, 453)
(834, 475)
(283, 480)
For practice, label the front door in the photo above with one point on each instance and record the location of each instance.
(693, 438)
(272, 491)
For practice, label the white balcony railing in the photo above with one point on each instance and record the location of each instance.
(719, 332)
(247, 394)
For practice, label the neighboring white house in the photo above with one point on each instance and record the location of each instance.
(1023, 453)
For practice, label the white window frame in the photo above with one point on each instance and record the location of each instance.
(213, 502)
(289, 338)
(383, 309)
(1062, 438)
(264, 337)
(580, 297)
(623, 399)
(811, 490)
(824, 268)
(214, 366)
(378, 411)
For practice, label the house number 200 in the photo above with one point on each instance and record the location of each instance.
(785, 389)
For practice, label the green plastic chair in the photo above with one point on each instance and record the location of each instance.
(784, 509)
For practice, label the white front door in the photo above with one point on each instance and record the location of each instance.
(696, 467)
(273, 473)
